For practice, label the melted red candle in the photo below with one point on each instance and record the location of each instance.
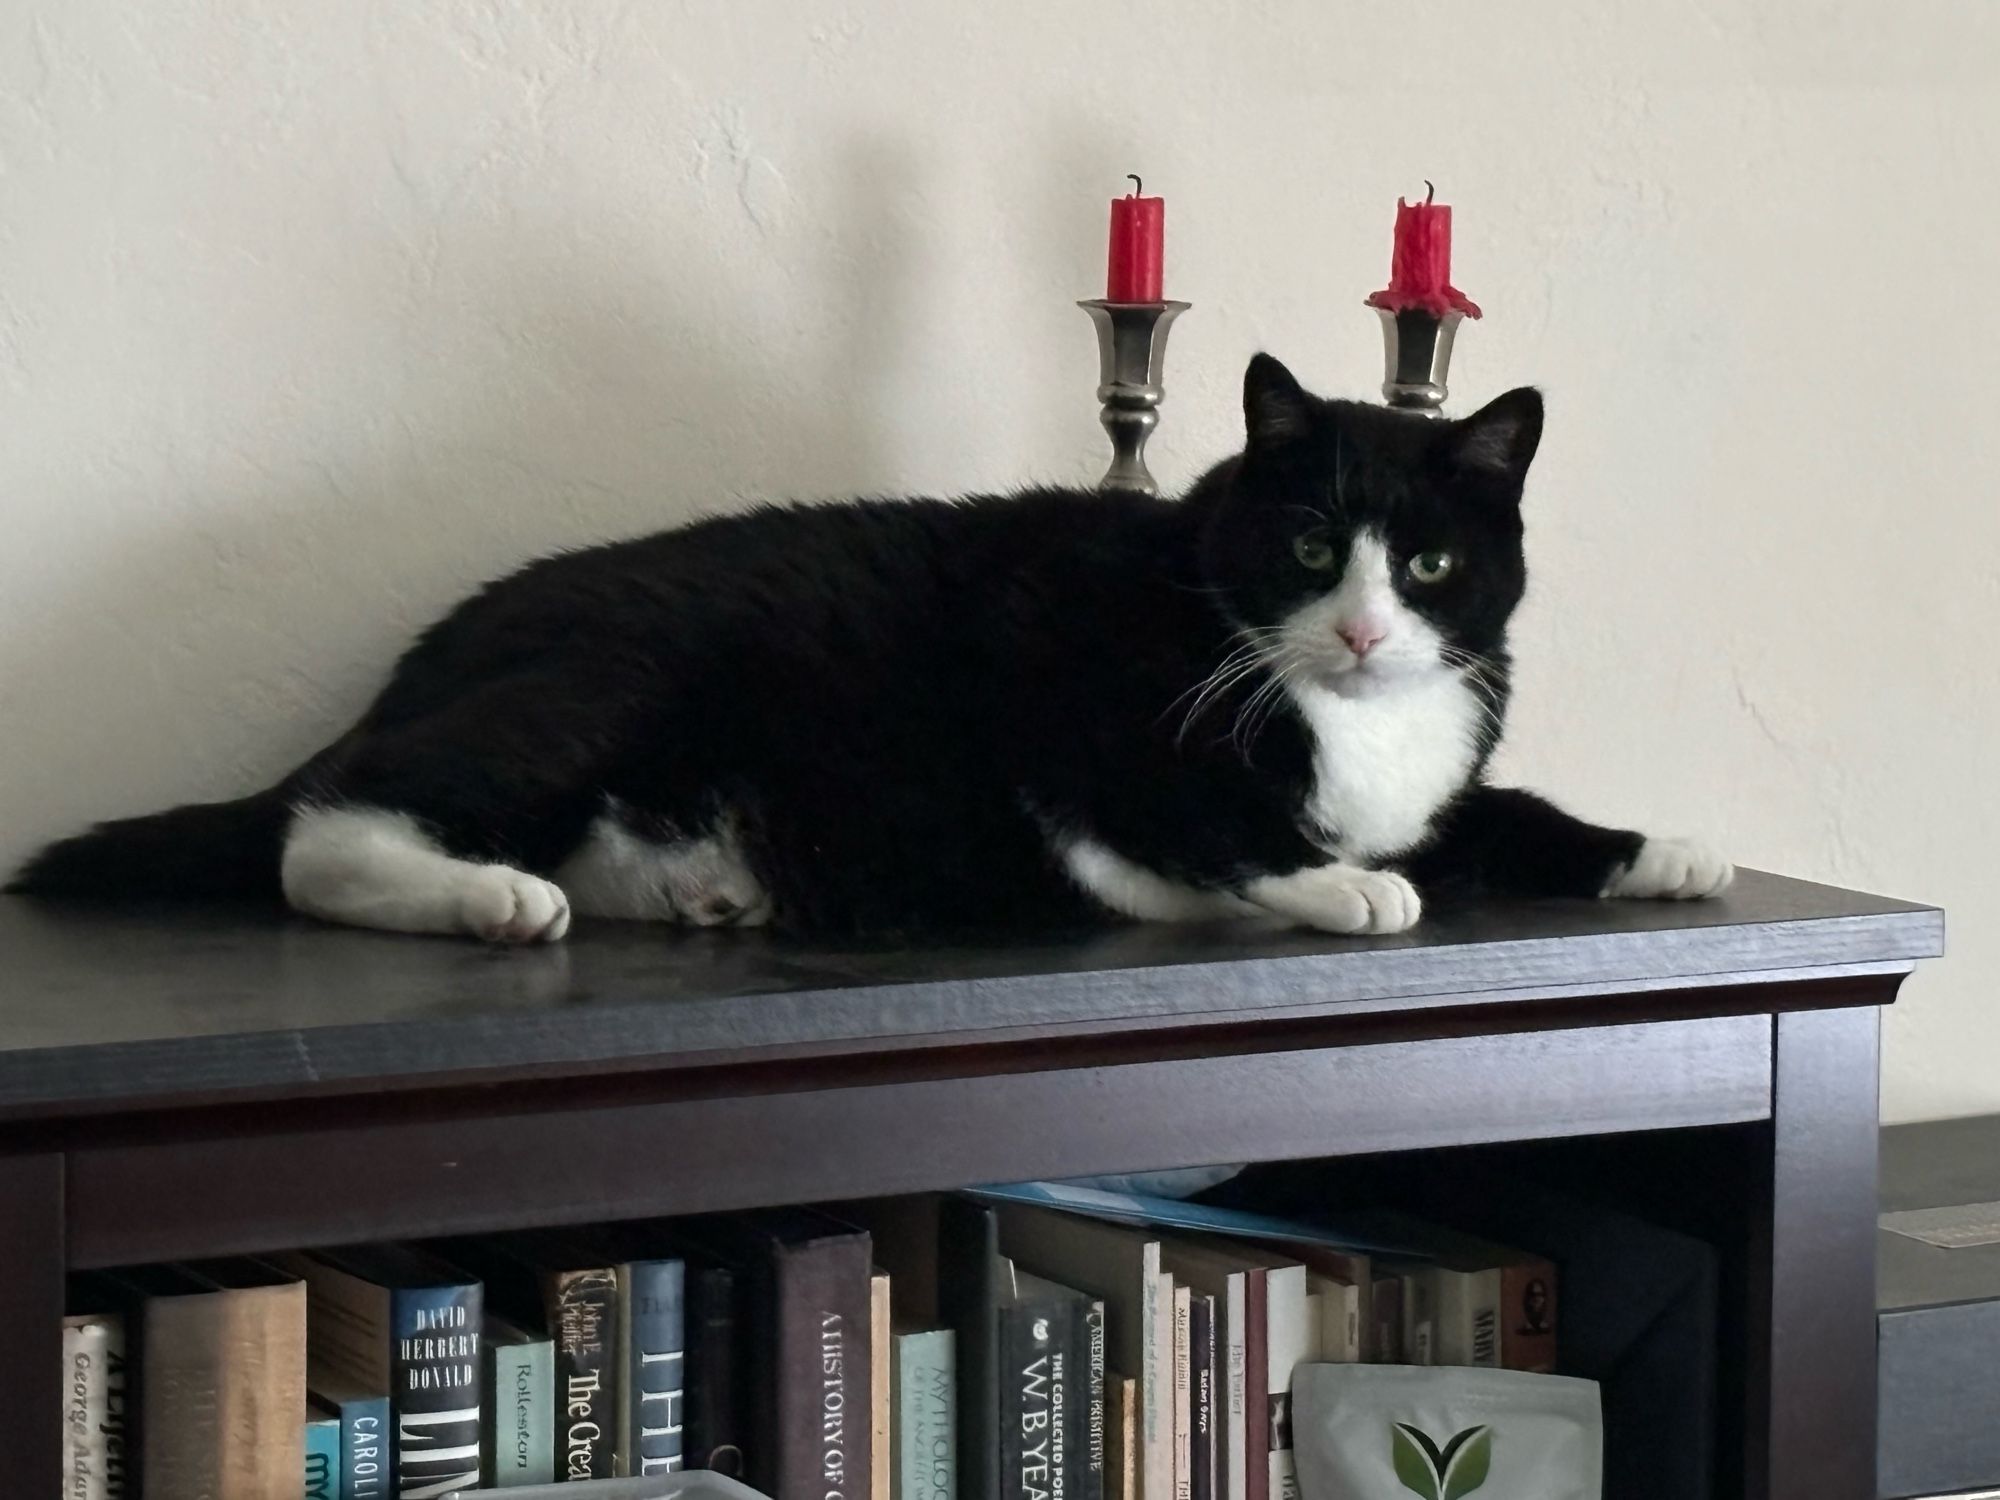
(1138, 249)
(1420, 267)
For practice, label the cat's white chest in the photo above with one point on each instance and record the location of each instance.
(1383, 766)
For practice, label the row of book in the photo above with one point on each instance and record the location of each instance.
(1040, 1342)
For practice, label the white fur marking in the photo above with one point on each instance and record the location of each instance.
(1384, 765)
(1394, 734)
(379, 869)
(1673, 870)
(705, 881)
(1340, 898)
(1134, 891)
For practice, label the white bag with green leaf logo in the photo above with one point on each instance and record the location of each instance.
(1387, 1432)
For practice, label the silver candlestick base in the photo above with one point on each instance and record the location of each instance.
(1131, 363)
(1416, 358)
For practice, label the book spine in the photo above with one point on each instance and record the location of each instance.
(824, 1326)
(323, 1459)
(1234, 1474)
(1288, 1342)
(224, 1383)
(87, 1344)
(1183, 1393)
(434, 1387)
(1091, 1428)
(1419, 1317)
(1201, 1397)
(1156, 1381)
(1122, 1441)
(650, 1418)
(1338, 1305)
(1256, 1386)
(117, 1425)
(520, 1412)
(714, 1437)
(881, 1464)
(926, 1421)
(1528, 1317)
(364, 1449)
(583, 1322)
(1385, 1344)
(1468, 1318)
(968, 1252)
(1037, 1390)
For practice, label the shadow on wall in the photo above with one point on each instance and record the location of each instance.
(565, 397)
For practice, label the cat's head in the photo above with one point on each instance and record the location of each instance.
(1367, 549)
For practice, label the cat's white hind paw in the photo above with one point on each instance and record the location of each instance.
(1672, 870)
(503, 905)
(1340, 898)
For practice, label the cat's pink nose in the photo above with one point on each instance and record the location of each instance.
(1362, 636)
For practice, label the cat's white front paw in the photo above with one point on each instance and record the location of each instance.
(511, 906)
(1672, 870)
(1340, 898)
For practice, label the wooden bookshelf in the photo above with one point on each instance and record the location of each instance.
(179, 1082)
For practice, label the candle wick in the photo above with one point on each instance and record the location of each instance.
(1430, 190)
(1138, 187)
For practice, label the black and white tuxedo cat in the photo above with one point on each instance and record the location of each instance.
(1277, 696)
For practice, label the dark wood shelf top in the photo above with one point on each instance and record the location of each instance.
(117, 1008)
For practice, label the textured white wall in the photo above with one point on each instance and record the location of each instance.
(312, 315)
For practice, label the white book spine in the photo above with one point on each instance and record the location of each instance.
(1468, 1318)
(89, 1347)
(1183, 1392)
(1158, 1394)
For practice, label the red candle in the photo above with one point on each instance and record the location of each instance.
(1420, 267)
(1138, 246)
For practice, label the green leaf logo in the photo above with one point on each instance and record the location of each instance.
(1447, 1473)
(1414, 1457)
(1468, 1460)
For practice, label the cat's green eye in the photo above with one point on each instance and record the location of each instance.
(1314, 551)
(1430, 567)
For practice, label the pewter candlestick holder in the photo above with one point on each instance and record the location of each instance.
(1416, 358)
(1131, 363)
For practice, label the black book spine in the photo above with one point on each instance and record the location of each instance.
(968, 1297)
(1039, 1390)
(1087, 1412)
(582, 1309)
(824, 1329)
(435, 1398)
(1203, 1412)
(715, 1395)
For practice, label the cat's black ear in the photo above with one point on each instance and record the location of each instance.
(1501, 437)
(1275, 406)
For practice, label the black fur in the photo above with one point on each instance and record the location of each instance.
(899, 701)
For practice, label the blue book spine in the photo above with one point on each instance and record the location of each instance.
(322, 1457)
(364, 1449)
(650, 1415)
(435, 1364)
